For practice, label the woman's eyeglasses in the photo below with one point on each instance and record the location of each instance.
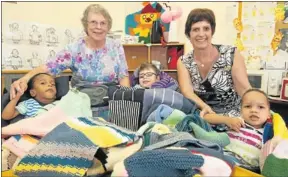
(94, 23)
(149, 74)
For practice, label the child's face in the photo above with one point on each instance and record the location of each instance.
(44, 89)
(255, 109)
(147, 77)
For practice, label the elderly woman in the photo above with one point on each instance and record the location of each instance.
(214, 76)
(94, 59)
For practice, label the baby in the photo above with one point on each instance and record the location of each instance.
(148, 75)
(245, 145)
(41, 88)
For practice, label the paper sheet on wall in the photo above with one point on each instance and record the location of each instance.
(28, 45)
(258, 29)
(15, 57)
(14, 33)
(68, 35)
(231, 14)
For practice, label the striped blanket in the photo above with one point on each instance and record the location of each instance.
(69, 149)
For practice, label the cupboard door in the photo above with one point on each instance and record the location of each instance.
(159, 53)
(135, 56)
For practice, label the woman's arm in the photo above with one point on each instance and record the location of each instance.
(125, 81)
(10, 111)
(185, 85)
(239, 74)
(123, 67)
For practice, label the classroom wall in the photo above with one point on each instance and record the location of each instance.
(68, 14)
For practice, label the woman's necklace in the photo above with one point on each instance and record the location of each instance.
(200, 63)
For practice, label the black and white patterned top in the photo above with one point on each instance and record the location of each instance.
(217, 89)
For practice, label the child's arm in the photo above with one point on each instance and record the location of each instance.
(10, 111)
(232, 122)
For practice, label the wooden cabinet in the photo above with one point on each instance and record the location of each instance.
(136, 54)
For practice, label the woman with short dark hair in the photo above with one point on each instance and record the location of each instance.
(214, 76)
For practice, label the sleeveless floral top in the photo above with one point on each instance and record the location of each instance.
(217, 89)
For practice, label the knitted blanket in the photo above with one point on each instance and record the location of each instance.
(69, 149)
(20, 145)
(73, 104)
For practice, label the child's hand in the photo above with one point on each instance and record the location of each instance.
(235, 123)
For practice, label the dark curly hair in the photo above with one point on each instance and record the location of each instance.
(30, 84)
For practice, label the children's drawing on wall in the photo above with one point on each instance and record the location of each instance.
(81, 34)
(3, 62)
(69, 36)
(51, 54)
(140, 23)
(35, 60)
(16, 33)
(14, 60)
(51, 37)
(35, 36)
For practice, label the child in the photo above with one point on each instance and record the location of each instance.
(41, 88)
(245, 145)
(148, 75)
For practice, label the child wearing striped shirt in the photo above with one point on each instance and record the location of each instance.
(42, 89)
(245, 145)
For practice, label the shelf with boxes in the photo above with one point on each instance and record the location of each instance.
(164, 57)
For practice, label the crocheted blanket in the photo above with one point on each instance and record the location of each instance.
(69, 149)
(20, 145)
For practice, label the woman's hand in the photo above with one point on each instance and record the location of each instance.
(235, 123)
(18, 86)
(206, 110)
